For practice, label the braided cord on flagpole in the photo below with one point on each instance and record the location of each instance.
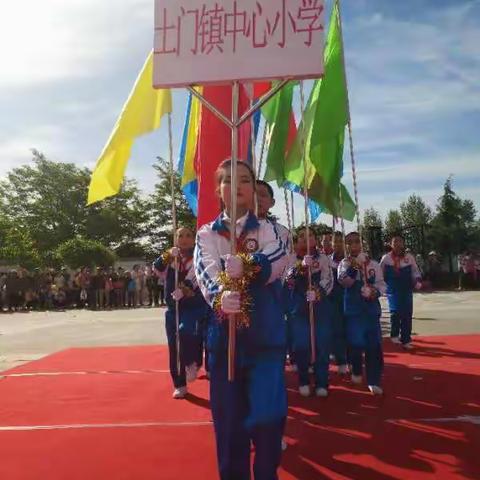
(311, 313)
(350, 136)
(289, 220)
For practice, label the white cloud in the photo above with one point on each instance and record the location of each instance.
(461, 165)
(42, 41)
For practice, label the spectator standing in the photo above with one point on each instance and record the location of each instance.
(150, 280)
(161, 287)
(108, 288)
(100, 290)
(131, 289)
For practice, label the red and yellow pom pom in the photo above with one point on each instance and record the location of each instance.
(241, 285)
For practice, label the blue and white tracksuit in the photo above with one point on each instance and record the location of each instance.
(253, 407)
(295, 287)
(192, 313)
(364, 333)
(400, 273)
(339, 323)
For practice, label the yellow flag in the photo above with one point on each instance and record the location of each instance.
(141, 114)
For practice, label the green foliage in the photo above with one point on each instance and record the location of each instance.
(393, 223)
(79, 252)
(47, 200)
(134, 250)
(372, 218)
(160, 207)
(415, 212)
(454, 228)
(16, 246)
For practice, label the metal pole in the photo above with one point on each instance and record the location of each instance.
(311, 314)
(292, 204)
(210, 106)
(174, 222)
(262, 100)
(349, 124)
(233, 223)
(254, 161)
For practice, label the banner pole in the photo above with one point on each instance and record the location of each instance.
(233, 223)
(174, 224)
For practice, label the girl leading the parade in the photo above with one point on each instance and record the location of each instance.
(364, 284)
(299, 295)
(192, 310)
(252, 408)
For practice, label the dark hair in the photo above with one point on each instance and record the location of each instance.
(303, 228)
(227, 164)
(350, 235)
(397, 235)
(181, 227)
(267, 186)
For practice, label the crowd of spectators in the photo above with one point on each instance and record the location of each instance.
(469, 271)
(96, 289)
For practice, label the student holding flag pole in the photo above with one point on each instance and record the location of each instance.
(251, 407)
(364, 284)
(302, 292)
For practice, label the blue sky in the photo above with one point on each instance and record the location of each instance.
(413, 72)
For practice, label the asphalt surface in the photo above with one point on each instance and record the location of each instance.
(32, 335)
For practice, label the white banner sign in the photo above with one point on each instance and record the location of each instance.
(198, 42)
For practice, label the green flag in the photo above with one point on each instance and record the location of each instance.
(278, 115)
(323, 130)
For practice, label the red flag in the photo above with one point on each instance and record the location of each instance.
(214, 146)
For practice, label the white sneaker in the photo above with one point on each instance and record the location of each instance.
(321, 392)
(179, 392)
(284, 445)
(407, 346)
(191, 372)
(304, 390)
(375, 389)
(342, 369)
(356, 379)
(395, 340)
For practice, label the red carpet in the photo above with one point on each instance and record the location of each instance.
(107, 413)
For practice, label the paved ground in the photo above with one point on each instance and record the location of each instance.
(28, 336)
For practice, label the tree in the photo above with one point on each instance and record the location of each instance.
(372, 218)
(16, 246)
(415, 212)
(372, 231)
(393, 223)
(48, 200)
(453, 227)
(160, 206)
(79, 252)
(135, 249)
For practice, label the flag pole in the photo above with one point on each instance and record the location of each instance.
(289, 220)
(254, 157)
(311, 314)
(174, 224)
(349, 125)
(262, 151)
(233, 223)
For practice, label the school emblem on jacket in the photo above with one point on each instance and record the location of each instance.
(251, 245)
